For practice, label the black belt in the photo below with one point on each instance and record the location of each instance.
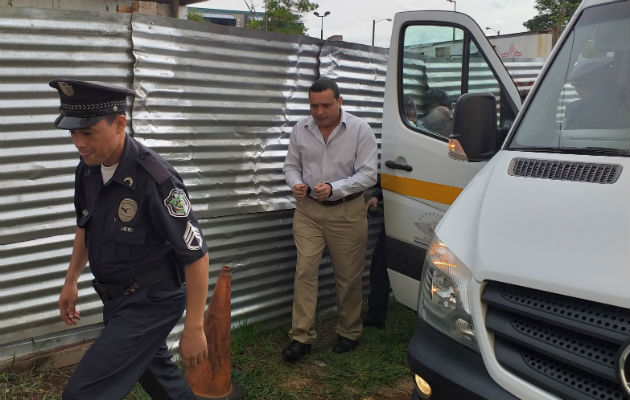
(149, 278)
(343, 200)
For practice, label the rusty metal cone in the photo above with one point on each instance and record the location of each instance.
(212, 378)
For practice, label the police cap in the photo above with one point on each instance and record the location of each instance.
(85, 103)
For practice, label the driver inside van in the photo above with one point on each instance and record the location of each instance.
(438, 117)
(602, 103)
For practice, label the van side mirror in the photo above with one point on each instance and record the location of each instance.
(474, 136)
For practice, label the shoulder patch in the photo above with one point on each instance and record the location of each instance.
(177, 203)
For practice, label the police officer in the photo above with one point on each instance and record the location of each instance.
(136, 228)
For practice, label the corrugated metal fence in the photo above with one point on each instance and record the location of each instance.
(217, 102)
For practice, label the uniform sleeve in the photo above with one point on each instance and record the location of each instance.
(174, 220)
(79, 198)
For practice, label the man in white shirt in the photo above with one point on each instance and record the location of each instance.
(332, 159)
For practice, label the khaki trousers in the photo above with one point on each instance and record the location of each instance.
(343, 228)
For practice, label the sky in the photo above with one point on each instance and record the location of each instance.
(353, 18)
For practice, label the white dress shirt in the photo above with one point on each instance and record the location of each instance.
(348, 160)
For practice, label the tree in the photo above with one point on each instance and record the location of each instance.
(285, 16)
(194, 15)
(551, 14)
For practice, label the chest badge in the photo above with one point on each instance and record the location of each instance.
(129, 181)
(177, 203)
(127, 209)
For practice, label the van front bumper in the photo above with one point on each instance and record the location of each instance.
(452, 370)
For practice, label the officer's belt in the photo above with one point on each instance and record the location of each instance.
(342, 200)
(153, 276)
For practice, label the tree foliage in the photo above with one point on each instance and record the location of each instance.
(549, 13)
(194, 15)
(285, 16)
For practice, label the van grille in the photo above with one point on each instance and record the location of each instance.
(565, 170)
(562, 344)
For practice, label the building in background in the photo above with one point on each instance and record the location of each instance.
(527, 45)
(163, 8)
(235, 18)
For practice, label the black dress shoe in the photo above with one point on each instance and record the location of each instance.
(295, 350)
(344, 344)
(374, 322)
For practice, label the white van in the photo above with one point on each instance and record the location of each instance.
(525, 288)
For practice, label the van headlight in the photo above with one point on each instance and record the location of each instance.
(443, 301)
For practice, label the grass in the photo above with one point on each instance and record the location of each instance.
(376, 370)
(378, 365)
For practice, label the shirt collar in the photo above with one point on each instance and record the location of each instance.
(127, 170)
(311, 123)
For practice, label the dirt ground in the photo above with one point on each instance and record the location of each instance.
(402, 392)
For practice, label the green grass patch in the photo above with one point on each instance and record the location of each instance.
(378, 364)
(377, 369)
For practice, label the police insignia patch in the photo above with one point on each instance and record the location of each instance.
(177, 203)
(127, 209)
(66, 88)
(192, 237)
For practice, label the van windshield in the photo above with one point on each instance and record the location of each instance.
(582, 105)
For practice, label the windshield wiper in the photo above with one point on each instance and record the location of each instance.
(607, 151)
(599, 151)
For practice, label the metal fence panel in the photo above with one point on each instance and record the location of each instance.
(219, 104)
(36, 179)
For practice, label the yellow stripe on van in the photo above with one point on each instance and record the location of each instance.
(420, 189)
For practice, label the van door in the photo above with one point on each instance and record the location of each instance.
(435, 56)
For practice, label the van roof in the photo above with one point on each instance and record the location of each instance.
(588, 3)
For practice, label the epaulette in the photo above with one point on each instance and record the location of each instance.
(152, 165)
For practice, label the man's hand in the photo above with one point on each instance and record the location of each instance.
(322, 191)
(193, 347)
(299, 191)
(67, 302)
(373, 202)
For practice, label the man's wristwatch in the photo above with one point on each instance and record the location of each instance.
(330, 189)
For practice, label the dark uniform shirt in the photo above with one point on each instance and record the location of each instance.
(140, 219)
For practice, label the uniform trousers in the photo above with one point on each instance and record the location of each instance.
(132, 348)
(379, 282)
(343, 228)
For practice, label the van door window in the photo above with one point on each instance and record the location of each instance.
(439, 63)
(481, 78)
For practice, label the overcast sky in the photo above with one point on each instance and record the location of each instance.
(353, 18)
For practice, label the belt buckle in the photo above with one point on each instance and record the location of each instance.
(131, 289)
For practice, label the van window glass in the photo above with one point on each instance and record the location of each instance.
(583, 103)
(481, 79)
(431, 77)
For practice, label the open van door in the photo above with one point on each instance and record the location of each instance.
(435, 56)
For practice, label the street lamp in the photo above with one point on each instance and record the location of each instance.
(374, 21)
(492, 29)
(454, 9)
(322, 17)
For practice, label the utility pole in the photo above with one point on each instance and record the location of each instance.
(558, 28)
(266, 3)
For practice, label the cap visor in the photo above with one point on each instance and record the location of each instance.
(72, 123)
